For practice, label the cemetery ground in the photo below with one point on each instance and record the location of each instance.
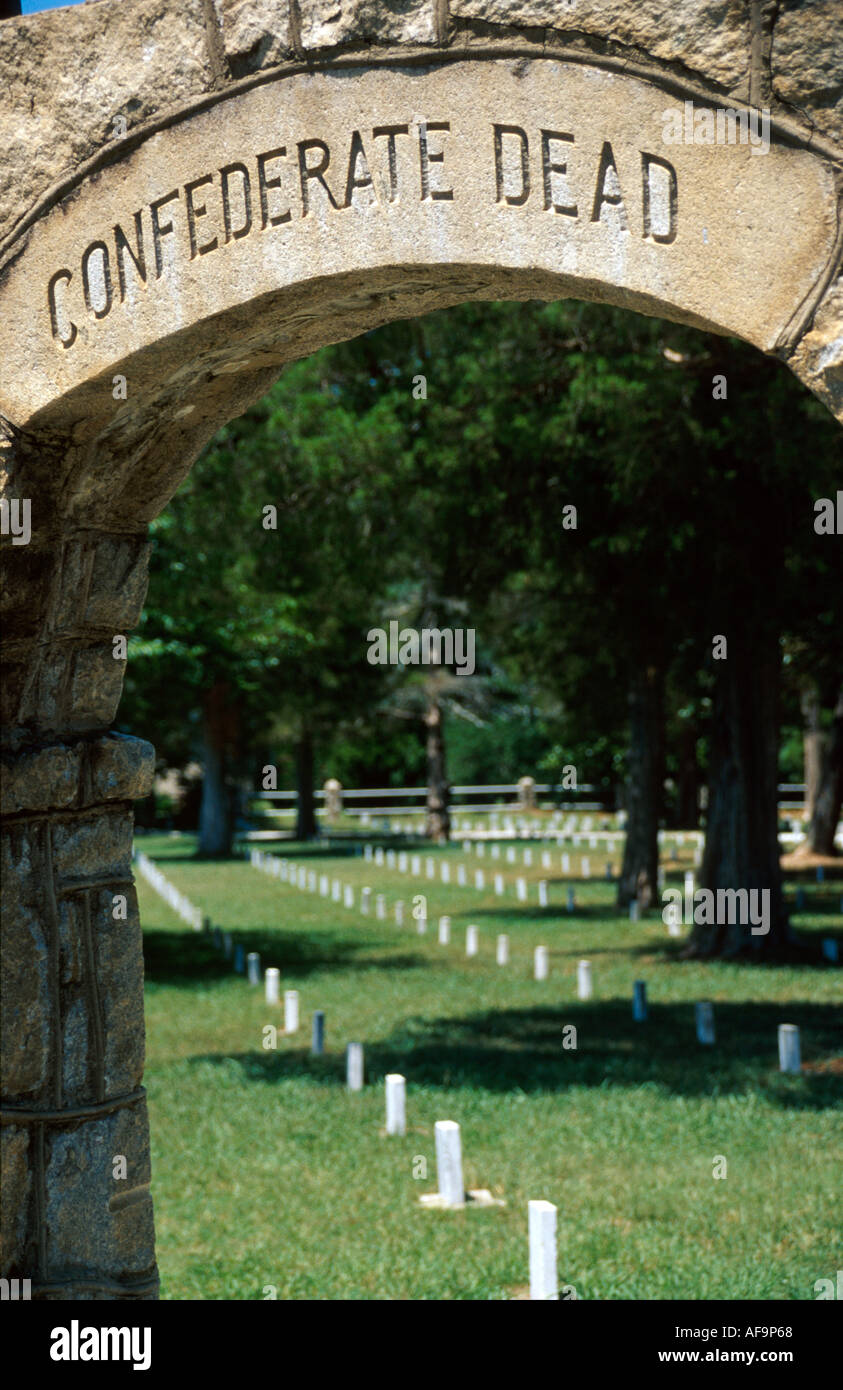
(271, 1178)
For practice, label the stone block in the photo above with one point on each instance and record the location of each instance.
(121, 768)
(255, 34)
(25, 1000)
(96, 685)
(118, 947)
(119, 579)
(65, 74)
(327, 23)
(96, 1223)
(93, 844)
(805, 62)
(710, 37)
(41, 780)
(17, 1186)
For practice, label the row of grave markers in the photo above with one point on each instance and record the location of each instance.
(788, 1034)
(171, 895)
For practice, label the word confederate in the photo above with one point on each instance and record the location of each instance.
(267, 192)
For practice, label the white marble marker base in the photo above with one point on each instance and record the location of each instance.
(476, 1197)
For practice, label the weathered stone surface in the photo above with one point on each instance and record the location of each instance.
(25, 1000)
(122, 768)
(96, 686)
(40, 780)
(326, 23)
(706, 36)
(118, 585)
(42, 698)
(66, 74)
(96, 1224)
(17, 1185)
(818, 359)
(119, 953)
(806, 66)
(93, 844)
(255, 34)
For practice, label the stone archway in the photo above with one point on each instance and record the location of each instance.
(235, 186)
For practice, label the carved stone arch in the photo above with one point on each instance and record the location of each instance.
(289, 177)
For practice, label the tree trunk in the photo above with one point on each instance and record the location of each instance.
(741, 843)
(812, 746)
(688, 779)
(438, 817)
(829, 799)
(306, 826)
(644, 788)
(216, 821)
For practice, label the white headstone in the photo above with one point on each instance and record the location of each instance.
(399, 914)
(348, 896)
(585, 868)
(415, 865)
(471, 941)
(336, 890)
(499, 885)
(542, 892)
(704, 1014)
(354, 1066)
(790, 1059)
(510, 855)
(496, 851)
(365, 897)
(449, 1163)
(272, 985)
(421, 925)
(502, 951)
(324, 886)
(380, 907)
(481, 849)
(584, 985)
(379, 856)
(367, 852)
(390, 858)
(542, 1227)
(479, 880)
(396, 1104)
(566, 863)
(291, 1010)
(521, 889)
(445, 872)
(402, 862)
(461, 875)
(541, 963)
(430, 868)
(444, 930)
(253, 967)
(528, 858)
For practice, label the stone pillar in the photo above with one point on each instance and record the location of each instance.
(77, 1211)
(333, 799)
(526, 794)
(76, 1205)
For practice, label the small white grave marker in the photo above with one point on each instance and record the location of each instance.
(430, 868)
(461, 875)
(566, 863)
(542, 1227)
(272, 983)
(584, 985)
(415, 865)
(471, 941)
(336, 890)
(585, 868)
(510, 855)
(790, 1059)
(354, 1066)
(380, 907)
(348, 896)
(396, 1104)
(253, 967)
(521, 889)
(445, 872)
(479, 880)
(291, 1011)
(528, 858)
(444, 930)
(502, 950)
(399, 914)
(541, 963)
(546, 862)
(365, 895)
(542, 892)
(499, 885)
(449, 1163)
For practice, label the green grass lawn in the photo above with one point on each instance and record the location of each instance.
(267, 1173)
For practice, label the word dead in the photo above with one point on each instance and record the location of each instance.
(268, 193)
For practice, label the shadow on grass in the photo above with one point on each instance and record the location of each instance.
(189, 959)
(522, 1049)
